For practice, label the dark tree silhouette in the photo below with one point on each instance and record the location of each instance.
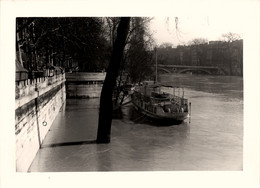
(106, 103)
(45, 41)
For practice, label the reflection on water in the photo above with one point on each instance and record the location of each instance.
(213, 140)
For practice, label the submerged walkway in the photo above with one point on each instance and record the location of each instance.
(70, 144)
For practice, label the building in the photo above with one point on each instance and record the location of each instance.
(226, 55)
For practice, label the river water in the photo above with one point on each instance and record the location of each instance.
(212, 139)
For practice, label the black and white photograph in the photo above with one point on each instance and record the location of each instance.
(137, 94)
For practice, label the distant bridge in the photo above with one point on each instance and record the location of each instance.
(184, 68)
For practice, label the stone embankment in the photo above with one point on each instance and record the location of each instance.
(37, 103)
(84, 84)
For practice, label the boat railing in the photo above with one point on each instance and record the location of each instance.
(171, 99)
(160, 101)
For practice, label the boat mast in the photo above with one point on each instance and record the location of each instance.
(155, 64)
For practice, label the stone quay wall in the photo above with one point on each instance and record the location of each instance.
(37, 103)
(84, 84)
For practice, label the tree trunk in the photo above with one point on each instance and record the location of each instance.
(106, 103)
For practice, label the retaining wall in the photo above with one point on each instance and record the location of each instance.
(84, 84)
(37, 103)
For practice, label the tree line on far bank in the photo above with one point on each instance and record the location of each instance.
(227, 53)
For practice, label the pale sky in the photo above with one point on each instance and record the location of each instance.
(191, 27)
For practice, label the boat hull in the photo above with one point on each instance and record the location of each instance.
(163, 117)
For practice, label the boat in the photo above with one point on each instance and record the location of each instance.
(161, 102)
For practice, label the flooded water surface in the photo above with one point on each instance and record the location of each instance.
(212, 139)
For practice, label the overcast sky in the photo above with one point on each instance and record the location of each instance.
(190, 27)
(196, 19)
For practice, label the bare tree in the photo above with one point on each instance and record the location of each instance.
(138, 54)
(111, 24)
(166, 45)
(198, 41)
(230, 37)
(136, 63)
(106, 103)
(197, 44)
